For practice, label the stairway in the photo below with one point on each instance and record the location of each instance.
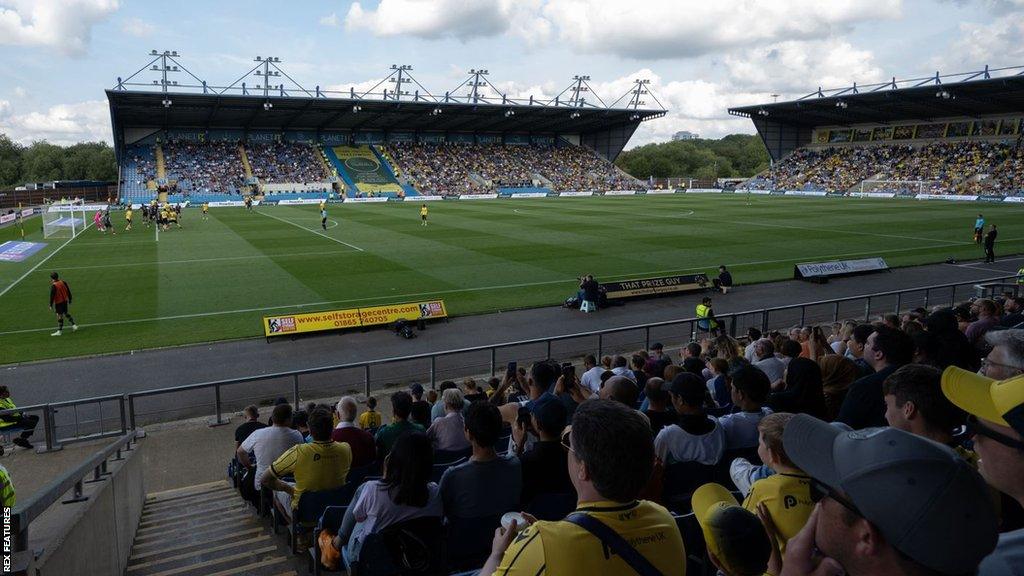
(161, 163)
(207, 530)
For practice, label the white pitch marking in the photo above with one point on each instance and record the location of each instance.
(310, 230)
(41, 262)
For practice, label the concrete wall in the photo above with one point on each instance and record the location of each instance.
(95, 537)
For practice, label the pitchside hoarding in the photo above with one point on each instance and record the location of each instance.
(838, 268)
(650, 286)
(290, 324)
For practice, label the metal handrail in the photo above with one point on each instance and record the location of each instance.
(25, 512)
(127, 401)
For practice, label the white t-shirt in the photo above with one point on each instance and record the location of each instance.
(774, 368)
(685, 447)
(267, 444)
(741, 428)
(622, 371)
(591, 379)
(749, 352)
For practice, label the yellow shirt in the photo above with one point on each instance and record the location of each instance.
(206, 207)
(128, 214)
(316, 466)
(788, 497)
(369, 419)
(423, 211)
(558, 548)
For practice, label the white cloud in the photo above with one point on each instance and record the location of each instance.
(434, 19)
(60, 124)
(359, 87)
(64, 25)
(137, 27)
(331, 20)
(794, 67)
(20, 92)
(999, 42)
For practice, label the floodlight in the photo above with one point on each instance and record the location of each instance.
(268, 105)
(166, 102)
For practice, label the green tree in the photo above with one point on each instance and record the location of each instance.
(735, 155)
(42, 162)
(10, 161)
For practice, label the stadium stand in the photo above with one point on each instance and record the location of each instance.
(138, 172)
(285, 162)
(204, 167)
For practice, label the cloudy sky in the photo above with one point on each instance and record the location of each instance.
(702, 57)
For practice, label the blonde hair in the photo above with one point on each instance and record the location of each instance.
(771, 428)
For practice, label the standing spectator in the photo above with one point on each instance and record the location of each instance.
(591, 378)
(401, 405)
(837, 374)
(252, 423)
(610, 461)
(995, 409)
(370, 419)
(404, 493)
(864, 405)
(359, 440)
(488, 484)
(544, 463)
(695, 436)
(319, 465)
(659, 411)
(448, 432)
(17, 419)
(749, 389)
(889, 502)
(990, 244)
(803, 393)
(268, 443)
(786, 495)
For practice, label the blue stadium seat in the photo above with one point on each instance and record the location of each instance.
(330, 520)
(311, 508)
(681, 479)
(421, 544)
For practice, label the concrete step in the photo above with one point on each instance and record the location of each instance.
(187, 491)
(161, 548)
(187, 510)
(210, 550)
(210, 530)
(235, 516)
(214, 496)
(224, 561)
(186, 514)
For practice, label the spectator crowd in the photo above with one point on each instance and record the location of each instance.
(202, 167)
(889, 447)
(285, 162)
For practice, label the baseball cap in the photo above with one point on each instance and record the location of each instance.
(927, 501)
(550, 412)
(416, 389)
(734, 535)
(689, 386)
(998, 401)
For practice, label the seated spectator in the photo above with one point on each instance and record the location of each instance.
(914, 403)
(591, 378)
(17, 419)
(737, 543)
(657, 361)
(753, 335)
(659, 411)
(864, 406)
(488, 484)
(300, 422)
(437, 409)
(319, 465)
(610, 461)
(7, 496)
(837, 374)
(448, 432)
(995, 407)
(621, 389)
(692, 361)
(790, 349)
(803, 393)
(420, 414)
(370, 419)
(544, 462)
(889, 502)
(620, 367)
(404, 493)
(1006, 359)
(855, 348)
(492, 387)
(765, 361)
(269, 443)
(988, 317)
(1013, 313)
(636, 364)
(724, 280)
(251, 424)
(749, 389)
(541, 379)
(401, 405)
(472, 392)
(695, 437)
(718, 384)
(785, 494)
(360, 441)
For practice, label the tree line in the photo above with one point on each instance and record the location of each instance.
(734, 156)
(42, 162)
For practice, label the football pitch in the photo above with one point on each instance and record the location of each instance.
(214, 280)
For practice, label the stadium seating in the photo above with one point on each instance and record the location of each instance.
(138, 170)
(285, 162)
(204, 167)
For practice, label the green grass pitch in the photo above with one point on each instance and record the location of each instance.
(214, 280)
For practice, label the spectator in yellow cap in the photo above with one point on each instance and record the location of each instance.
(736, 541)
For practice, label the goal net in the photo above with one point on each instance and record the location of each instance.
(902, 186)
(64, 220)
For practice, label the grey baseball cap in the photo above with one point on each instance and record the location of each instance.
(927, 501)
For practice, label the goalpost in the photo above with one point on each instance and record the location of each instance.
(64, 220)
(897, 186)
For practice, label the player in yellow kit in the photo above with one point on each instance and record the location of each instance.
(128, 218)
(423, 214)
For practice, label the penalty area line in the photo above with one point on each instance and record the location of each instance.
(310, 230)
(41, 262)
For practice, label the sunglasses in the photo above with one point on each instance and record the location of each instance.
(975, 427)
(820, 491)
